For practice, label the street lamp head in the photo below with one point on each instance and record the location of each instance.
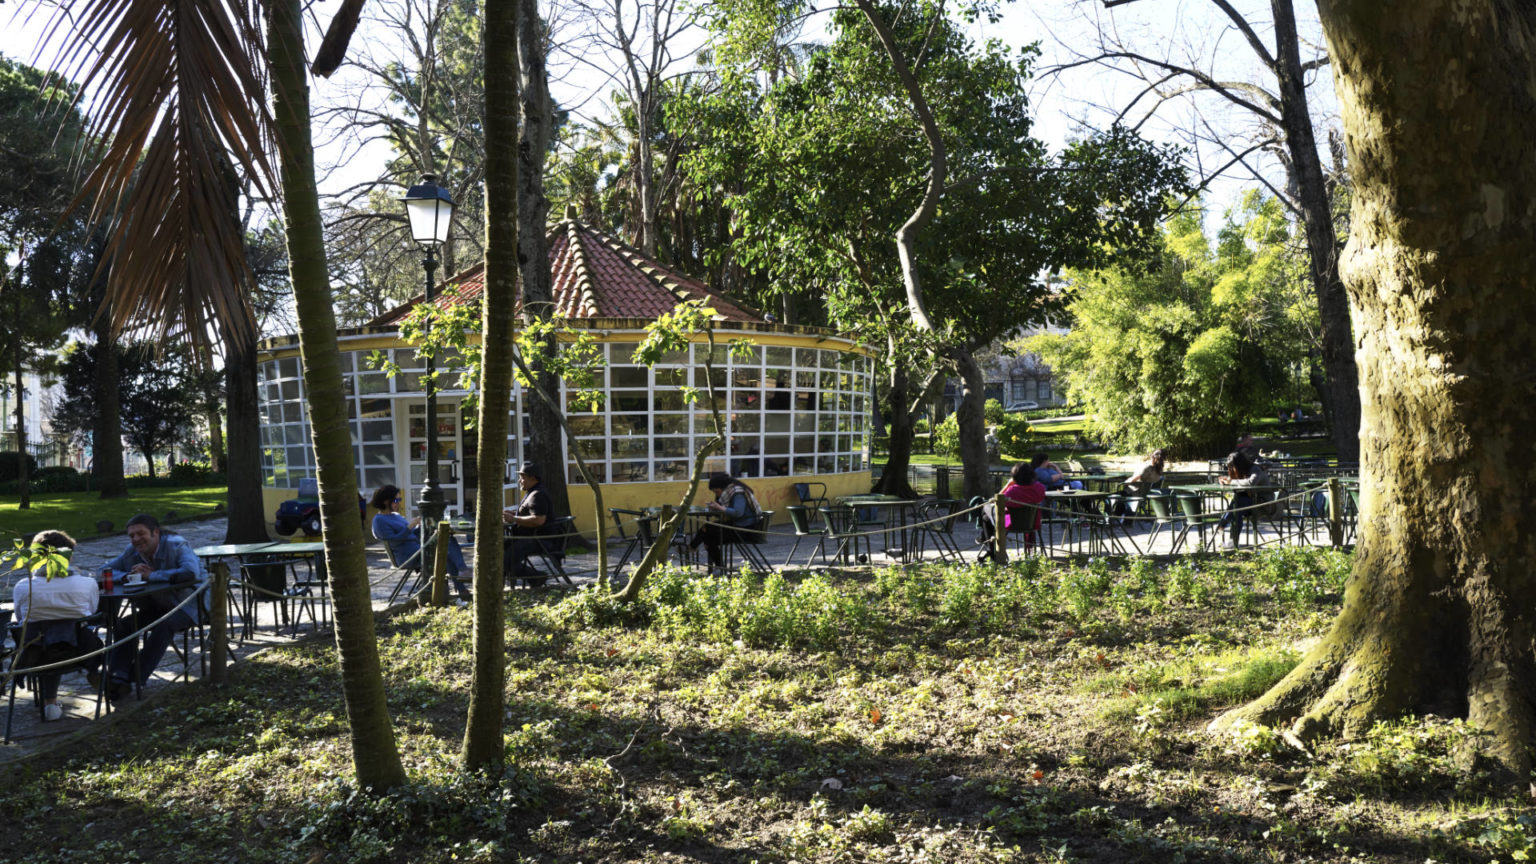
(429, 210)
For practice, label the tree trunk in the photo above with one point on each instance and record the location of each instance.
(23, 471)
(544, 431)
(972, 420)
(898, 461)
(1437, 105)
(106, 432)
(1338, 344)
(375, 757)
(216, 453)
(247, 521)
(149, 459)
(482, 750)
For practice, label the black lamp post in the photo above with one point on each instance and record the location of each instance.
(429, 209)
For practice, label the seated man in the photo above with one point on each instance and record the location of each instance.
(526, 521)
(157, 557)
(48, 616)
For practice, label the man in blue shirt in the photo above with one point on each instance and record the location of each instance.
(153, 556)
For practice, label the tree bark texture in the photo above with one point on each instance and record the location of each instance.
(544, 433)
(898, 461)
(375, 757)
(247, 520)
(107, 431)
(971, 418)
(24, 470)
(1338, 343)
(483, 749)
(1439, 107)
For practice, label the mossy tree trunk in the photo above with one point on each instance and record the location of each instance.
(1439, 107)
(375, 757)
(483, 730)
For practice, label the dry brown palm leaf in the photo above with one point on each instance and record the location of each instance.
(177, 97)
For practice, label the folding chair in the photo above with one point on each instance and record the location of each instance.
(800, 519)
(813, 497)
(633, 540)
(844, 529)
(747, 540)
(940, 532)
(550, 547)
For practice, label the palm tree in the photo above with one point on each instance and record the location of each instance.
(178, 90)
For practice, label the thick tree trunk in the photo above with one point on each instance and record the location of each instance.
(24, 470)
(1338, 344)
(898, 461)
(972, 421)
(375, 757)
(107, 431)
(483, 750)
(544, 433)
(1438, 106)
(247, 518)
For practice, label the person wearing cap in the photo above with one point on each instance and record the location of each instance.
(526, 520)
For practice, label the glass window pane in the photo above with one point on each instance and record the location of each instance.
(778, 356)
(629, 376)
(671, 424)
(631, 472)
(672, 447)
(631, 447)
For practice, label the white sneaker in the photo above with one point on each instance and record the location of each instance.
(1228, 543)
(52, 712)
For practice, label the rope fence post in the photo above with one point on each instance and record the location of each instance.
(218, 621)
(999, 530)
(1335, 512)
(440, 564)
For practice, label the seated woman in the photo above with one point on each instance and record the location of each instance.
(400, 534)
(49, 627)
(1245, 474)
(738, 503)
(1049, 475)
(1023, 488)
(1149, 474)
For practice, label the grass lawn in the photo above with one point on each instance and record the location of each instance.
(1038, 713)
(78, 512)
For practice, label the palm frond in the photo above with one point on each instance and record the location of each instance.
(176, 90)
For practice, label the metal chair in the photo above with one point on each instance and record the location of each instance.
(633, 540)
(800, 519)
(550, 547)
(746, 540)
(843, 527)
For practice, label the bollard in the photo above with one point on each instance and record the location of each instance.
(440, 564)
(1000, 530)
(218, 621)
(1335, 512)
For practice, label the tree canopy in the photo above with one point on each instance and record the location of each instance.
(1182, 352)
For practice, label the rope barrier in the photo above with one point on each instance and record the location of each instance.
(106, 649)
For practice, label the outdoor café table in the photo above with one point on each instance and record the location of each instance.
(111, 605)
(1083, 512)
(893, 511)
(1223, 493)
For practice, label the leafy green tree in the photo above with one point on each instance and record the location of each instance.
(839, 172)
(1181, 353)
(40, 131)
(160, 396)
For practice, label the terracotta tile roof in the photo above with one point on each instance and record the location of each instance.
(595, 276)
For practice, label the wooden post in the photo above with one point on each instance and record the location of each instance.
(440, 564)
(1335, 512)
(218, 622)
(1000, 532)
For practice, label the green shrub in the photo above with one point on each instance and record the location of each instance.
(1013, 436)
(992, 410)
(921, 426)
(58, 478)
(10, 466)
(194, 474)
(946, 438)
